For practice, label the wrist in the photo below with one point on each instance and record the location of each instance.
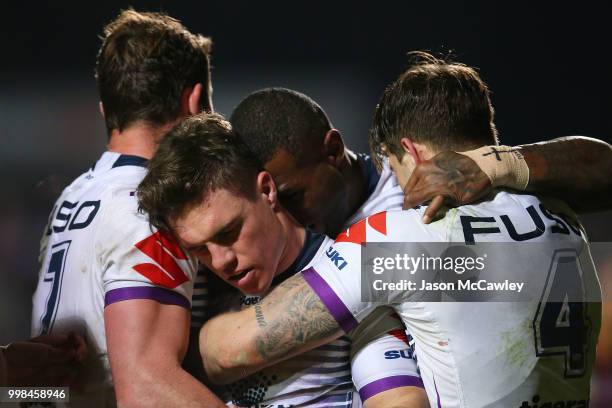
(505, 166)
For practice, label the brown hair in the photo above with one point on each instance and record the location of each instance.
(145, 63)
(198, 156)
(444, 105)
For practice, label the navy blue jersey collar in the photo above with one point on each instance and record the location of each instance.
(312, 242)
(371, 174)
(128, 160)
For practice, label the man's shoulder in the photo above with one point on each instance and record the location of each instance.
(392, 226)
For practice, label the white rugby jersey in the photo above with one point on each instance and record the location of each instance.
(492, 354)
(376, 357)
(384, 191)
(97, 250)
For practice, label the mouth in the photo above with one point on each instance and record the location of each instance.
(240, 275)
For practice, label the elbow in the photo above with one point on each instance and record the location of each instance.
(136, 389)
(218, 375)
(130, 396)
(222, 367)
(224, 360)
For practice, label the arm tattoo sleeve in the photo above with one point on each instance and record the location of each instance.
(295, 319)
(576, 169)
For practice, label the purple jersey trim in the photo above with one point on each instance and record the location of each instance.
(329, 298)
(437, 393)
(388, 383)
(146, 292)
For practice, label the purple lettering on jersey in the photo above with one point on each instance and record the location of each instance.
(389, 383)
(160, 295)
(329, 298)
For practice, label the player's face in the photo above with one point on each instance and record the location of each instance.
(315, 192)
(240, 240)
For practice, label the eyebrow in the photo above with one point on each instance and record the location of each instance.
(224, 229)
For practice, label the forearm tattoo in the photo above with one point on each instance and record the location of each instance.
(576, 169)
(300, 317)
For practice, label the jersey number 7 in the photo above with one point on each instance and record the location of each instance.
(54, 275)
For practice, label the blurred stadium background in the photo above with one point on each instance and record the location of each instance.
(548, 65)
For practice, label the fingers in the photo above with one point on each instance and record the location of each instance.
(56, 340)
(414, 191)
(79, 345)
(35, 354)
(433, 208)
(63, 343)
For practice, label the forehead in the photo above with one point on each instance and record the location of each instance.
(201, 221)
(287, 169)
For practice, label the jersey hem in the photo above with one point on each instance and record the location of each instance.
(389, 383)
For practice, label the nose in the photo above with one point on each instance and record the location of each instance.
(222, 259)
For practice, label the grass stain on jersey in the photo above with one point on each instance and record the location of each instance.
(517, 344)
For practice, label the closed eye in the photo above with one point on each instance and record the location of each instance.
(230, 234)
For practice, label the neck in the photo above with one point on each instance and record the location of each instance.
(354, 174)
(138, 140)
(295, 236)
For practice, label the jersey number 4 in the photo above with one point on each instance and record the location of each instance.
(560, 327)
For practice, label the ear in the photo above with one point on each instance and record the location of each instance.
(101, 107)
(410, 148)
(193, 101)
(267, 187)
(333, 147)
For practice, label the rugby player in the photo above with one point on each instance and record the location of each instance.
(324, 184)
(327, 186)
(201, 164)
(460, 366)
(291, 120)
(104, 272)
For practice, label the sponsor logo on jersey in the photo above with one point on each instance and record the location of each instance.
(490, 225)
(73, 216)
(249, 300)
(395, 354)
(554, 404)
(335, 257)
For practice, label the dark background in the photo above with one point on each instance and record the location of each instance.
(548, 66)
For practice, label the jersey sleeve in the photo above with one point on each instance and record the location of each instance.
(381, 357)
(139, 262)
(335, 278)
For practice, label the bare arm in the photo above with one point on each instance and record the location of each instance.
(575, 169)
(289, 321)
(146, 342)
(402, 397)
